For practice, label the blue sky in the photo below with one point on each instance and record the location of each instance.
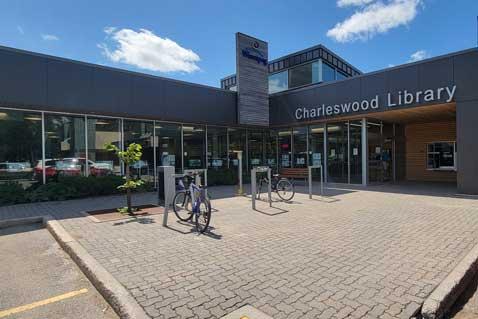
(194, 40)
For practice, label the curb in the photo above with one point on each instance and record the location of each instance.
(448, 291)
(20, 221)
(125, 306)
(117, 296)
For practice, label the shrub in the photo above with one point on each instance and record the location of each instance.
(64, 188)
(51, 192)
(12, 193)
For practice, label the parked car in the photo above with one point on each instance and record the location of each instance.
(50, 169)
(15, 170)
(70, 166)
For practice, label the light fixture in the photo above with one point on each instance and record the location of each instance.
(99, 122)
(3, 115)
(317, 130)
(32, 118)
(333, 128)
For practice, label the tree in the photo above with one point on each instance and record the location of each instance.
(129, 156)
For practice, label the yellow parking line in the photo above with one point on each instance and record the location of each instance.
(44, 302)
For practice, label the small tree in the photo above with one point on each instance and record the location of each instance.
(129, 156)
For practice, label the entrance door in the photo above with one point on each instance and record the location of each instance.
(337, 157)
(380, 152)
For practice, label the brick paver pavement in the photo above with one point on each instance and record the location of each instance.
(372, 253)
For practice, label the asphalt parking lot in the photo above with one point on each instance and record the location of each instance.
(39, 280)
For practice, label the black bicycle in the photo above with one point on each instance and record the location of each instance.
(193, 202)
(281, 185)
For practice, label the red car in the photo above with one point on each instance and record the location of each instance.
(69, 167)
(50, 168)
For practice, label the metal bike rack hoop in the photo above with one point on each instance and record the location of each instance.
(254, 171)
(198, 177)
(321, 179)
(167, 190)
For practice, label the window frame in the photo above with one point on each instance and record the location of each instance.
(441, 168)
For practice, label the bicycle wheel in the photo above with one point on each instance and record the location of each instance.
(285, 189)
(203, 217)
(182, 206)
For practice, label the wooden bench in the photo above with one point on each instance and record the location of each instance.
(292, 173)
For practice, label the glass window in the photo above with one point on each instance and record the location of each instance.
(20, 146)
(285, 148)
(255, 146)
(441, 155)
(141, 133)
(237, 142)
(102, 131)
(169, 145)
(355, 152)
(304, 74)
(278, 82)
(341, 76)
(337, 157)
(65, 151)
(316, 145)
(300, 146)
(271, 149)
(194, 147)
(216, 147)
(328, 73)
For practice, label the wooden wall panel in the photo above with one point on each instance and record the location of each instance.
(417, 136)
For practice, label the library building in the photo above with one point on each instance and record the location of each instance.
(415, 122)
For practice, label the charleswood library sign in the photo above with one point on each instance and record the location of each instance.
(392, 100)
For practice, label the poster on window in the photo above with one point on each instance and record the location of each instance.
(217, 163)
(300, 161)
(316, 159)
(285, 160)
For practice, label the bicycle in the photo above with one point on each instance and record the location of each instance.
(281, 185)
(192, 202)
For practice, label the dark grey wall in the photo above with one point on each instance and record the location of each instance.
(459, 68)
(52, 84)
(467, 144)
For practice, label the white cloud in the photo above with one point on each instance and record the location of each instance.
(349, 3)
(50, 37)
(20, 30)
(109, 30)
(148, 51)
(375, 18)
(419, 55)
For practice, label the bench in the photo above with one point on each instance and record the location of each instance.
(294, 173)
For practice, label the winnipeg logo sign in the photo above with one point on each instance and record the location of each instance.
(402, 98)
(255, 54)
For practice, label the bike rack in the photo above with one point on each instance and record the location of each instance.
(254, 171)
(240, 190)
(321, 179)
(166, 175)
(198, 172)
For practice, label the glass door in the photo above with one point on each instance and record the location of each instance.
(380, 152)
(355, 152)
(337, 153)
